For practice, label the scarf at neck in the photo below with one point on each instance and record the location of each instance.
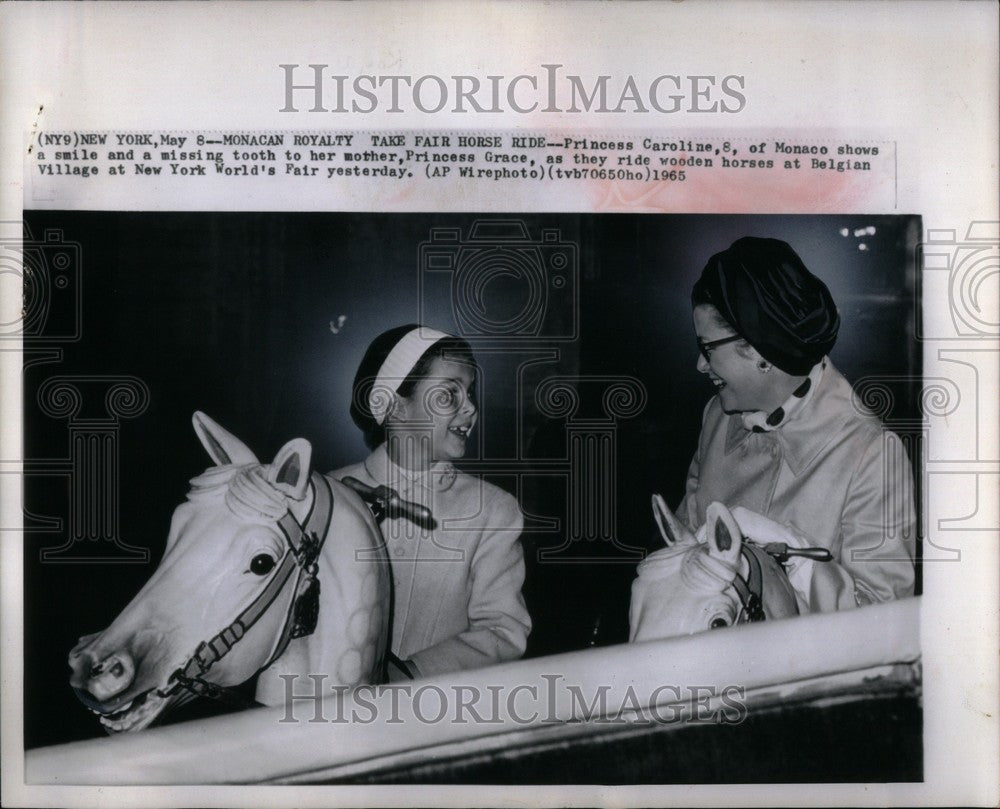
(758, 421)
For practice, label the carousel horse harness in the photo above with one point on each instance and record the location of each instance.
(304, 543)
(750, 590)
(384, 503)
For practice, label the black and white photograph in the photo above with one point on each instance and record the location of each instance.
(508, 439)
(499, 404)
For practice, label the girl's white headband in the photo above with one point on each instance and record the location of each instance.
(397, 367)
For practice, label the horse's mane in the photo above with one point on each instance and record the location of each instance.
(246, 491)
(702, 572)
(698, 570)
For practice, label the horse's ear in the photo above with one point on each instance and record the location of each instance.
(724, 538)
(671, 529)
(221, 445)
(289, 471)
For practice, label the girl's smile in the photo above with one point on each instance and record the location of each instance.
(443, 405)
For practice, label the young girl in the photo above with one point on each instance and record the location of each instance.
(457, 578)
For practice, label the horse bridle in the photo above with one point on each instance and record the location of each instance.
(749, 590)
(303, 544)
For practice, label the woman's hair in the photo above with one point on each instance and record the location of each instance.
(742, 346)
(454, 349)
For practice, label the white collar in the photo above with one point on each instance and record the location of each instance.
(440, 477)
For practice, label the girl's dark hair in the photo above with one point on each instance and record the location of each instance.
(454, 349)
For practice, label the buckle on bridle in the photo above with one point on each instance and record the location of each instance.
(308, 551)
(754, 608)
(203, 688)
(750, 589)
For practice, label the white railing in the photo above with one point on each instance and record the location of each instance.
(490, 708)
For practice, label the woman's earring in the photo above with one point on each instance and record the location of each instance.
(763, 367)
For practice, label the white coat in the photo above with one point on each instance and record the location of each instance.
(833, 475)
(457, 588)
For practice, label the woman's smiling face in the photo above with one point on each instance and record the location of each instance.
(733, 367)
(443, 404)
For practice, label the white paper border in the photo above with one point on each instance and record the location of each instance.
(923, 74)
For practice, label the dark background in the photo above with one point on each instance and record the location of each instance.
(230, 313)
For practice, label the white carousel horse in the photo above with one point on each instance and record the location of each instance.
(238, 592)
(691, 586)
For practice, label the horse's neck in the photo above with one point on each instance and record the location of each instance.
(353, 601)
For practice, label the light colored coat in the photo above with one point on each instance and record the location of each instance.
(457, 589)
(831, 474)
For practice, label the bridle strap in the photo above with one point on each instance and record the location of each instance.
(303, 545)
(306, 545)
(750, 589)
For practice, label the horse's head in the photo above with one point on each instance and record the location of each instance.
(686, 587)
(223, 551)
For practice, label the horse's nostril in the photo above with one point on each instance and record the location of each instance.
(110, 677)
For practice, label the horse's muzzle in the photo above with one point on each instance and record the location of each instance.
(97, 681)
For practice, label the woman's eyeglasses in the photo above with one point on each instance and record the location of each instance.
(706, 349)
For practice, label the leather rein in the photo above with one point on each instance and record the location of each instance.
(303, 543)
(750, 590)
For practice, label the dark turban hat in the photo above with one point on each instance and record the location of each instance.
(764, 291)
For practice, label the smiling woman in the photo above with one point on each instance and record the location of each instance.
(784, 439)
(457, 575)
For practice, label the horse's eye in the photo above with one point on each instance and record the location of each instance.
(262, 564)
(718, 623)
